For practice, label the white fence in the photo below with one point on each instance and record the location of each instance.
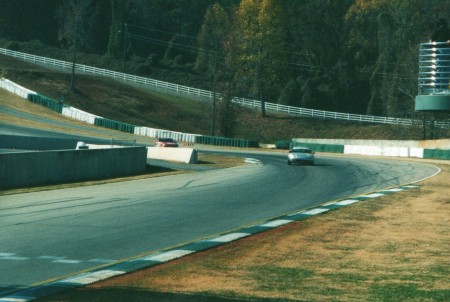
(200, 94)
(324, 114)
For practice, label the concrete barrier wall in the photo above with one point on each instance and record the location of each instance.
(384, 151)
(426, 144)
(80, 115)
(184, 155)
(53, 167)
(436, 149)
(36, 143)
(15, 88)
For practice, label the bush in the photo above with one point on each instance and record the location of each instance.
(283, 145)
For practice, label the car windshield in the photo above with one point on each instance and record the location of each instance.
(166, 140)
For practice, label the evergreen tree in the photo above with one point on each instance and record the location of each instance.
(261, 47)
(291, 94)
(211, 41)
(116, 28)
(211, 55)
(75, 17)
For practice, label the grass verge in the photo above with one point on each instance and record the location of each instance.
(390, 248)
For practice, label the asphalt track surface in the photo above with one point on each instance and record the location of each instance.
(54, 234)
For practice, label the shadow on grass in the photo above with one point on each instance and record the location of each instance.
(150, 169)
(136, 295)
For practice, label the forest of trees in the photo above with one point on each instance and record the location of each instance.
(356, 56)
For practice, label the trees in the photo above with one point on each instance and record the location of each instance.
(211, 39)
(355, 56)
(317, 56)
(75, 18)
(117, 32)
(24, 20)
(211, 55)
(261, 39)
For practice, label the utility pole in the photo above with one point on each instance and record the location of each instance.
(260, 78)
(74, 59)
(125, 32)
(213, 109)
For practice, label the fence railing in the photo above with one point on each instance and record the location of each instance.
(175, 89)
(324, 114)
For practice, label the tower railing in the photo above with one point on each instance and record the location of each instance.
(434, 77)
(434, 68)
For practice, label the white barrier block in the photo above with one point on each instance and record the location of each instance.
(362, 150)
(185, 155)
(395, 151)
(15, 88)
(79, 115)
(93, 146)
(416, 152)
(384, 151)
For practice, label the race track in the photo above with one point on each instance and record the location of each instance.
(51, 234)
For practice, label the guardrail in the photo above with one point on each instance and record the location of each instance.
(175, 89)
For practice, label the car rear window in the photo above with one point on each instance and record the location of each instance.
(301, 151)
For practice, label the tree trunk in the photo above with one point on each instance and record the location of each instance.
(72, 79)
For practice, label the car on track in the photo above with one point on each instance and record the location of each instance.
(300, 155)
(166, 142)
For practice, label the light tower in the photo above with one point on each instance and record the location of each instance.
(434, 78)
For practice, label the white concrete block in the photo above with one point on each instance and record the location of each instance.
(184, 155)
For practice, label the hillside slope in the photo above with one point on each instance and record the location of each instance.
(120, 102)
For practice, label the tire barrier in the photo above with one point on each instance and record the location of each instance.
(46, 102)
(114, 125)
(320, 147)
(227, 142)
(283, 145)
(436, 154)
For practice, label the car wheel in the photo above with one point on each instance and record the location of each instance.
(289, 162)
